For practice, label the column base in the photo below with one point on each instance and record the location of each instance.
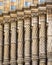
(20, 64)
(27, 63)
(49, 63)
(34, 62)
(42, 62)
(1, 63)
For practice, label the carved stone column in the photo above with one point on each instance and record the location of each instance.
(6, 39)
(35, 33)
(42, 35)
(13, 38)
(1, 39)
(20, 31)
(49, 34)
(27, 21)
(27, 41)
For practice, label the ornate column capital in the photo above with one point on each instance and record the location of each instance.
(1, 18)
(13, 16)
(27, 13)
(13, 19)
(6, 17)
(42, 9)
(34, 11)
(49, 11)
(20, 14)
(49, 7)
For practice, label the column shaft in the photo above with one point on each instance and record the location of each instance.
(1, 43)
(35, 40)
(13, 42)
(42, 39)
(6, 43)
(20, 42)
(49, 37)
(27, 41)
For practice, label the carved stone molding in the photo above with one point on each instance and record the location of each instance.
(1, 19)
(6, 18)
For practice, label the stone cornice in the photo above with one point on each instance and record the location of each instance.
(27, 12)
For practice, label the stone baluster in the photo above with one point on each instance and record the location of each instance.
(6, 39)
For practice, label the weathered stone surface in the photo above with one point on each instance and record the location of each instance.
(6, 43)
(35, 40)
(13, 42)
(27, 41)
(42, 39)
(1, 43)
(49, 37)
(20, 42)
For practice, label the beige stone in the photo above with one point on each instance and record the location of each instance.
(42, 39)
(6, 42)
(13, 42)
(29, 45)
(34, 40)
(35, 62)
(49, 63)
(27, 41)
(49, 37)
(20, 42)
(1, 34)
(42, 63)
(1, 43)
